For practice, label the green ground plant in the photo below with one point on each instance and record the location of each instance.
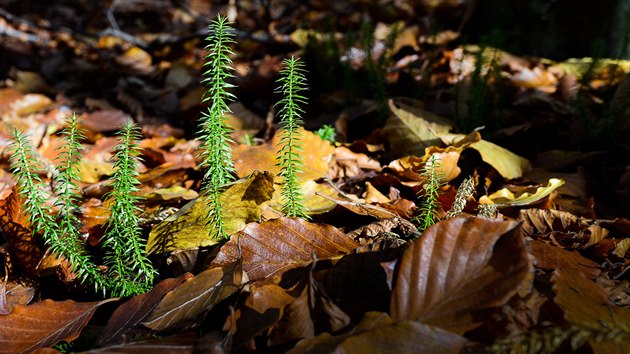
(326, 132)
(430, 192)
(59, 233)
(214, 131)
(130, 271)
(292, 83)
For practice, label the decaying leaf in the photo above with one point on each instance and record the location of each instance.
(271, 248)
(44, 324)
(135, 310)
(586, 305)
(458, 267)
(552, 257)
(377, 333)
(182, 343)
(311, 313)
(562, 227)
(188, 227)
(196, 296)
(262, 309)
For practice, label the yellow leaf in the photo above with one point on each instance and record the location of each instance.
(505, 197)
(188, 228)
(507, 163)
(411, 128)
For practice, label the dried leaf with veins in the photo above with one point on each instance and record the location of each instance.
(271, 248)
(457, 268)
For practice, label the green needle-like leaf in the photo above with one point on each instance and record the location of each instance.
(130, 270)
(214, 131)
(292, 83)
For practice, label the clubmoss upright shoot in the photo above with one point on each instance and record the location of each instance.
(292, 83)
(214, 131)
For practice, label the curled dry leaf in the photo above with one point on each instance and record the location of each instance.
(505, 197)
(313, 312)
(44, 324)
(13, 294)
(135, 310)
(188, 227)
(262, 309)
(565, 228)
(271, 248)
(458, 267)
(196, 296)
(377, 333)
(508, 164)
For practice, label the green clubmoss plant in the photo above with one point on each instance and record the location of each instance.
(292, 83)
(60, 235)
(214, 131)
(68, 200)
(326, 132)
(430, 192)
(130, 270)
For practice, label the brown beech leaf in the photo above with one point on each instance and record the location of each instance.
(182, 343)
(359, 283)
(457, 267)
(377, 333)
(261, 309)
(196, 296)
(135, 310)
(551, 257)
(105, 120)
(586, 305)
(271, 248)
(311, 313)
(567, 229)
(44, 324)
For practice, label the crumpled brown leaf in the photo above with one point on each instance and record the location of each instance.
(133, 311)
(310, 313)
(565, 228)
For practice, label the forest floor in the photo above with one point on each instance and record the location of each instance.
(528, 248)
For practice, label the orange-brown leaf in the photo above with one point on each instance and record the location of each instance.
(273, 247)
(44, 324)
